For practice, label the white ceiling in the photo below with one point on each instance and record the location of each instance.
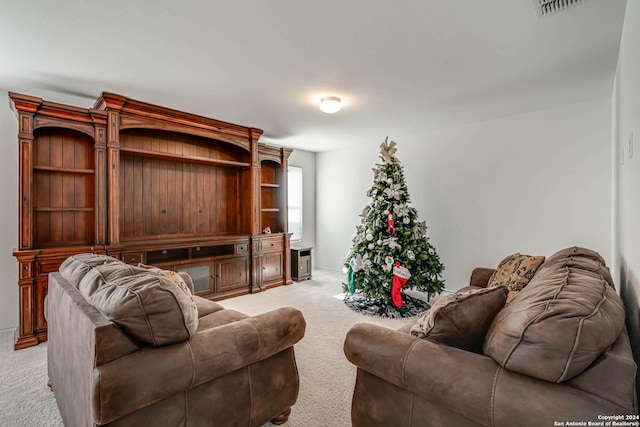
(402, 67)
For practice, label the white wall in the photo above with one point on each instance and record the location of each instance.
(626, 121)
(307, 161)
(8, 214)
(532, 183)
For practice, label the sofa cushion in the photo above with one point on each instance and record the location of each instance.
(515, 271)
(586, 259)
(149, 307)
(75, 267)
(462, 319)
(106, 272)
(575, 252)
(561, 322)
(100, 274)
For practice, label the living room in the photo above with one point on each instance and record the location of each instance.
(518, 143)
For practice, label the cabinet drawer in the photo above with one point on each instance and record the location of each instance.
(49, 266)
(271, 244)
(132, 257)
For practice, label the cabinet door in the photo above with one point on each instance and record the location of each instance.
(200, 275)
(272, 267)
(304, 270)
(231, 274)
(42, 288)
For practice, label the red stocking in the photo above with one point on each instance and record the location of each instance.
(400, 277)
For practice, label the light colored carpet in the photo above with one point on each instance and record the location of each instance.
(326, 377)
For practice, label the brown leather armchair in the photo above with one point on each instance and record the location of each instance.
(218, 368)
(524, 376)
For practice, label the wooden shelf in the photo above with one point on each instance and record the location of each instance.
(63, 170)
(63, 209)
(270, 210)
(66, 244)
(194, 159)
(269, 185)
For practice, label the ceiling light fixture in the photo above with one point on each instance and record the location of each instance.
(330, 104)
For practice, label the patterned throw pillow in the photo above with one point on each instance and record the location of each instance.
(515, 271)
(462, 319)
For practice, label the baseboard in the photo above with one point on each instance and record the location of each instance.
(10, 334)
(331, 270)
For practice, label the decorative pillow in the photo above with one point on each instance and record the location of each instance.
(461, 320)
(149, 307)
(182, 284)
(515, 271)
(565, 318)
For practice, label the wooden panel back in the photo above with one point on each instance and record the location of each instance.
(172, 198)
(63, 193)
(63, 148)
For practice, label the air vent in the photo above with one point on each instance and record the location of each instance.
(547, 7)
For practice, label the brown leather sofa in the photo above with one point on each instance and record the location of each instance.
(557, 353)
(130, 346)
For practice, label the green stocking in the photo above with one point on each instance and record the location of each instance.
(351, 280)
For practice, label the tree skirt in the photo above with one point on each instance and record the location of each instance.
(377, 307)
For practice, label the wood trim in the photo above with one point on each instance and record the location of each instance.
(137, 114)
(63, 170)
(182, 157)
(101, 195)
(113, 199)
(25, 189)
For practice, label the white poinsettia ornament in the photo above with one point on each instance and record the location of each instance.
(388, 152)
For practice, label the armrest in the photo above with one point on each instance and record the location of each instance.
(480, 276)
(612, 376)
(223, 349)
(156, 373)
(459, 380)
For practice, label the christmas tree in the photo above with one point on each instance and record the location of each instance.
(391, 249)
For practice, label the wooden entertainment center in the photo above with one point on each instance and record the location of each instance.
(150, 185)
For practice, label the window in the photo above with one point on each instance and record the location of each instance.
(294, 205)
